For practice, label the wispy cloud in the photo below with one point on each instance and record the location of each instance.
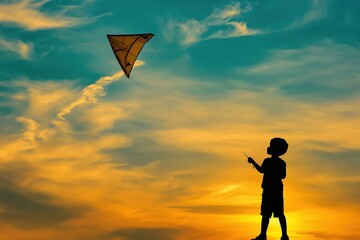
(221, 23)
(317, 71)
(316, 12)
(22, 49)
(26, 140)
(93, 91)
(31, 126)
(90, 93)
(227, 189)
(28, 14)
(44, 54)
(218, 209)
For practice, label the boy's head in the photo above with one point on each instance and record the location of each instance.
(278, 147)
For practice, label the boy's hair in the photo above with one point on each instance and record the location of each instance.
(278, 146)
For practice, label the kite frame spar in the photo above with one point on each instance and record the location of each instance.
(122, 46)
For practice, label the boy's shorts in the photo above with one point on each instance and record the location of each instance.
(272, 202)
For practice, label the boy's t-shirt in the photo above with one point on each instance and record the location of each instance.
(274, 170)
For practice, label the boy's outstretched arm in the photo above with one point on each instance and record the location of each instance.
(257, 166)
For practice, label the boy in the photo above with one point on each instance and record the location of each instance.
(274, 170)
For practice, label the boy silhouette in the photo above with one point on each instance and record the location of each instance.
(274, 170)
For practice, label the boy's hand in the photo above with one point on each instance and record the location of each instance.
(250, 160)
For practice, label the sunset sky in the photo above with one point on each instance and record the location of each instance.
(87, 154)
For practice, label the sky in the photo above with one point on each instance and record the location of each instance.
(87, 153)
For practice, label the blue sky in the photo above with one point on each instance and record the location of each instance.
(218, 76)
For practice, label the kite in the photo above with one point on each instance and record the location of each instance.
(127, 48)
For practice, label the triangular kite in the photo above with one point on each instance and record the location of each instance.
(127, 47)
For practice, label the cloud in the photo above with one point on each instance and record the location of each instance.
(90, 93)
(31, 127)
(219, 209)
(29, 209)
(28, 15)
(26, 141)
(44, 54)
(227, 189)
(146, 233)
(338, 161)
(221, 23)
(165, 232)
(42, 101)
(26, 208)
(41, 171)
(318, 11)
(22, 49)
(103, 117)
(323, 71)
(93, 91)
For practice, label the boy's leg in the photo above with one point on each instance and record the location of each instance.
(282, 220)
(266, 213)
(264, 225)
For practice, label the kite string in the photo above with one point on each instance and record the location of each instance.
(214, 119)
(173, 107)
